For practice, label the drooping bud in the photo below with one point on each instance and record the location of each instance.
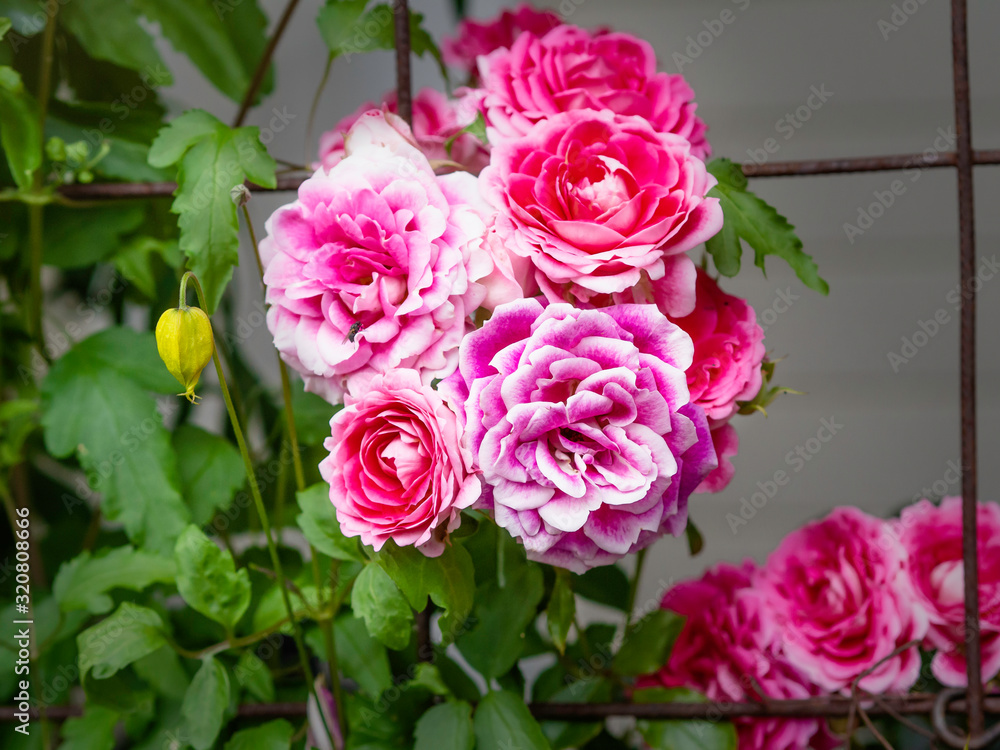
(184, 340)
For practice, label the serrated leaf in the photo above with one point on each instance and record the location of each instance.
(275, 735)
(84, 581)
(562, 609)
(205, 704)
(448, 580)
(447, 726)
(211, 159)
(196, 29)
(95, 730)
(110, 30)
(95, 405)
(648, 643)
(749, 218)
(319, 524)
(19, 133)
(208, 580)
(211, 471)
(683, 735)
(381, 604)
(131, 633)
(77, 237)
(502, 720)
(362, 658)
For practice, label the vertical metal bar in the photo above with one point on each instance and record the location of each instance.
(967, 247)
(404, 87)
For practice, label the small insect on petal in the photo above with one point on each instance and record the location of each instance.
(184, 341)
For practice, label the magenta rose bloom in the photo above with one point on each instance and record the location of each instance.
(570, 69)
(396, 467)
(373, 268)
(728, 349)
(581, 425)
(729, 651)
(475, 38)
(436, 118)
(596, 201)
(838, 594)
(932, 537)
(727, 444)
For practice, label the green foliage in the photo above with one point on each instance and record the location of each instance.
(19, 132)
(318, 522)
(208, 580)
(253, 676)
(95, 405)
(648, 643)
(211, 158)
(562, 610)
(110, 30)
(383, 607)
(749, 218)
(606, 585)
(210, 468)
(131, 633)
(85, 581)
(275, 735)
(362, 658)
(95, 730)
(205, 704)
(503, 721)
(77, 237)
(447, 726)
(683, 735)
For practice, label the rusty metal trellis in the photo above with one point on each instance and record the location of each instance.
(972, 701)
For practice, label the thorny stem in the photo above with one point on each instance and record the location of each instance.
(258, 501)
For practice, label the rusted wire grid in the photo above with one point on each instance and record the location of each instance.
(963, 159)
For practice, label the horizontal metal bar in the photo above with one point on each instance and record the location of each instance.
(826, 706)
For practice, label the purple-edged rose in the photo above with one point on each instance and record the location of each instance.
(582, 426)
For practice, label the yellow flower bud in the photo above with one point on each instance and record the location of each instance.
(184, 340)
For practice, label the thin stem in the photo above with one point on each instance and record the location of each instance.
(259, 502)
(404, 85)
(315, 105)
(640, 561)
(265, 61)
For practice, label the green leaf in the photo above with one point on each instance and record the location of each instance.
(110, 30)
(696, 542)
(275, 735)
(447, 726)
(606, 585)
(19, 132)
(131, 633)
(562, 609)
(95, 730)
(84, 581)
(208, 580)
(195, 28)
(340, 21)
(429, 676)
(318, 522)
(5, 26)
(504, 607)
(211, 471)
(648, 644)
(503, 721)
(211, 159)
(95, 405)
(312, 415)
(253, 675)
(448, 580)
(78, 237)
(205, 704)
(362, 658)
(271, 608)
(565, 734)
(163, 671)
(683, 735)
(749, 218)
(135, 262)
(379, 601)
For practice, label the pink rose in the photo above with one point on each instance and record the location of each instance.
(475, 38)
(728, 349)
(596, 201)
(729, 651)
(838, 593)
(727, 444)
(435, 119)
(373, 268)
(396, 467)
(571, 69)
(581, 424)
(932, 536)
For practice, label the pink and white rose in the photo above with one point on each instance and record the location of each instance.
(730, 652)
(596, 201)
(374, 267)
(581, 424)
(396, 467)
(474, 38)
(932, 537)
(727, 445)
(569, 69)
(838, 593)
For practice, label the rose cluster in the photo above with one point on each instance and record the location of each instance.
(844, 603)
(514, 325)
